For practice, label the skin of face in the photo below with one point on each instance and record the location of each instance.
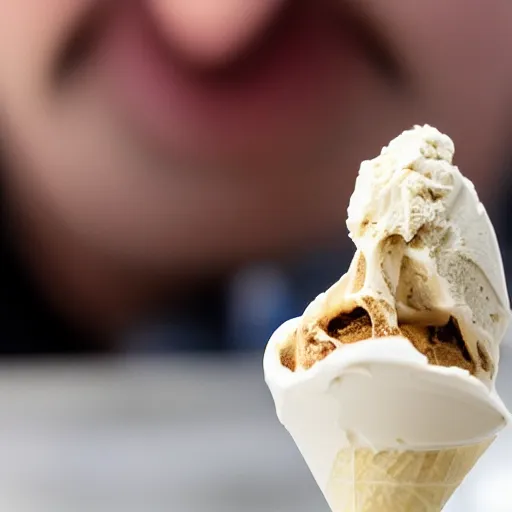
(136, 132)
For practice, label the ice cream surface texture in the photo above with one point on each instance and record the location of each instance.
(386, 382)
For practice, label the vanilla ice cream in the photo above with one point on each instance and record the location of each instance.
(393, 367)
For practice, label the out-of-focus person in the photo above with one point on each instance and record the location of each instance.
(153, 148)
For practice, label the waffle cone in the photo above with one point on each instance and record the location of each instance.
(363, 480)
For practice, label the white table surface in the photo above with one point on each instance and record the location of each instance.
(178, 435)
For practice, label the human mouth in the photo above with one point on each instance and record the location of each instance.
(280, 86)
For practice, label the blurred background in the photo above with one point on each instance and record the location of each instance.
(174, 178)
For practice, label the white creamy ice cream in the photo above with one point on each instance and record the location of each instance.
(451, 260)
(401, 354)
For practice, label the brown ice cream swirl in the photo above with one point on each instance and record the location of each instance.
(354, 310)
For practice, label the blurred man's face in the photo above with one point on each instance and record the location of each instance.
(178, 131)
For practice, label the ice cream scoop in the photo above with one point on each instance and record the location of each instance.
(386, 382)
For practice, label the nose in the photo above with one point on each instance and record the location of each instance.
(213, 32)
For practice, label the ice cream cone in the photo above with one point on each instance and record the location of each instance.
(363, 480)
(379, 427)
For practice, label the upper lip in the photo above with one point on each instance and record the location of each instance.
(345, 15)
(348, 14)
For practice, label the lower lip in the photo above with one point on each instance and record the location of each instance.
(286, 96)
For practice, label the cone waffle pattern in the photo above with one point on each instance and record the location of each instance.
(399, 481)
